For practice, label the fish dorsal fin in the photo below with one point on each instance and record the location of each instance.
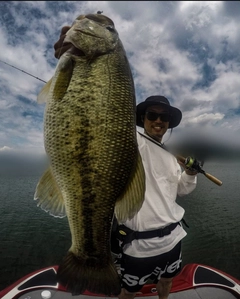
(130, 202)
(58, 84)
(49, 196)
(43, 95)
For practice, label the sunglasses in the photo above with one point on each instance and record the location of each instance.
(154, 116)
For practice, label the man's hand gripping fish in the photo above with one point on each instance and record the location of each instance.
(90, 139)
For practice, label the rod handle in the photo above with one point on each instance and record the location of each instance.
(209, 176)
(213, 179)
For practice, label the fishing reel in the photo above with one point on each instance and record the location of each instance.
(193, 164)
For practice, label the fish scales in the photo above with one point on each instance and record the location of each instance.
(100, 139)
(90, 139)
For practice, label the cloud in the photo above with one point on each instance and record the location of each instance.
(185, 50)
(5, 148)
(204, 119)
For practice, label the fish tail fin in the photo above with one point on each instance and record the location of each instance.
(78, 275)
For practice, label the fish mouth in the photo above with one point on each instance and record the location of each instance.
(87, 33)
(75, 51)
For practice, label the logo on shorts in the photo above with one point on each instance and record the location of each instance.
(133, 280)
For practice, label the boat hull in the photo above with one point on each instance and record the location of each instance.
(195, 281)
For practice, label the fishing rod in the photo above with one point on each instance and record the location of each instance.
(190, 162)
(196, 165)
(22, 71)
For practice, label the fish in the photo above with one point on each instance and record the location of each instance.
(95, 168)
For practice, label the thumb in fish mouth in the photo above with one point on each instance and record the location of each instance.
(61, 47)
(58, 46)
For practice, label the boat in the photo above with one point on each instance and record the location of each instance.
(195, 281)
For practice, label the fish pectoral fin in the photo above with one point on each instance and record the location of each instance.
(63, 76)
(49, 196)
(130, 202)
(43, 95)
(58, 84)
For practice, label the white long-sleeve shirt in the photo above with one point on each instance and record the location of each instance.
(164, 182)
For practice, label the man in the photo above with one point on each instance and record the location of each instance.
(155, 253)
(156, 256)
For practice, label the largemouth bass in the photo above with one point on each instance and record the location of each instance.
(90, 139)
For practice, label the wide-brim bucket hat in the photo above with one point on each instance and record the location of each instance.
(176, 114)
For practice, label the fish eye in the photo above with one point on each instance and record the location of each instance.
(110, 28)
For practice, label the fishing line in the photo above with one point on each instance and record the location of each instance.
(23, 71)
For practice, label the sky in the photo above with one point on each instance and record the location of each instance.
(187, 51)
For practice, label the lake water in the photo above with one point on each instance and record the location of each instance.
(30, 239)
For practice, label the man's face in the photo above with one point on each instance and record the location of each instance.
(156, 127)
